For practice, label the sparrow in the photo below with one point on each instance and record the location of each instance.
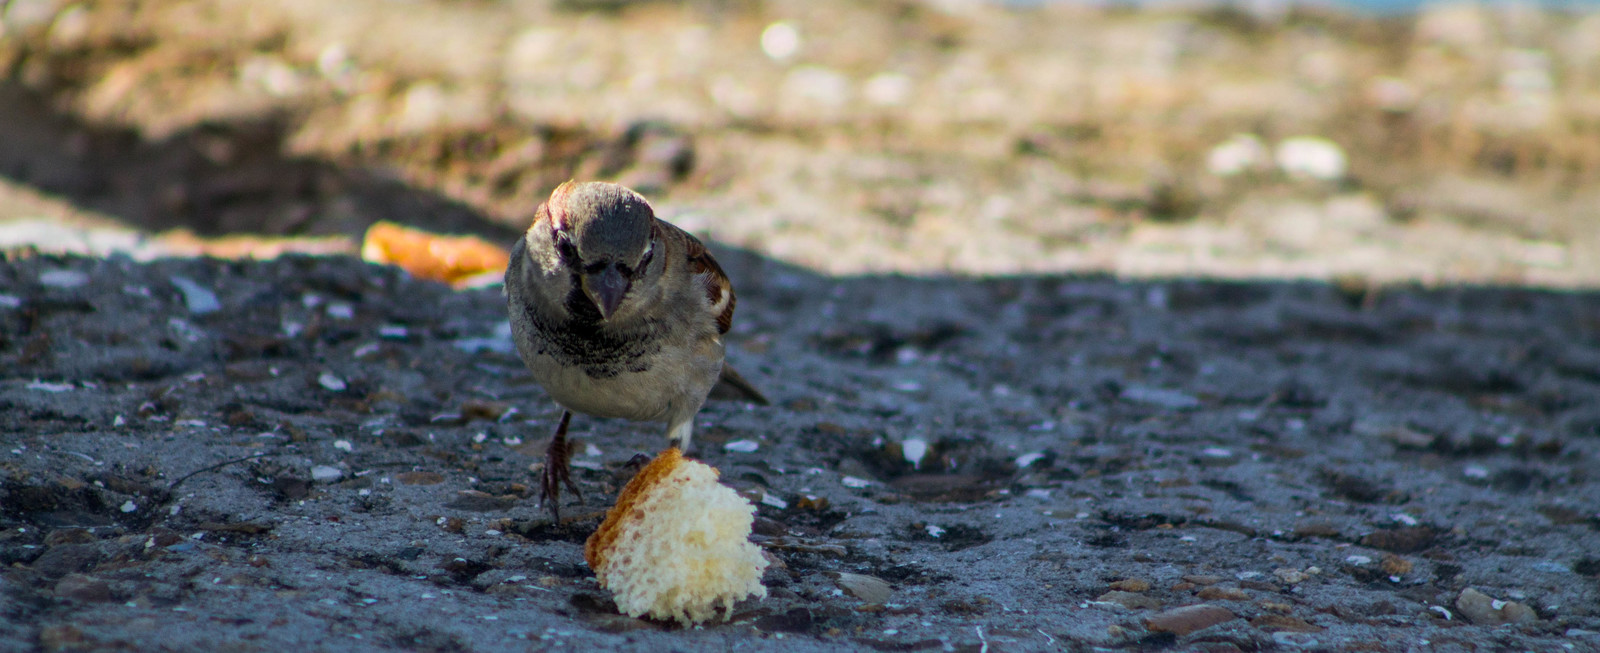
(617, 313)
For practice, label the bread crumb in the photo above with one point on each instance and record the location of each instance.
(676, 544)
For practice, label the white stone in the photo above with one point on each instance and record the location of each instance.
(781, 40)
(816, 86)
(199, 299)
(1240, 153)
(914, 450)
(331, 382)
(742, 446)
(63, 278)
(887, 89)
(1311, 157)
(326, 473)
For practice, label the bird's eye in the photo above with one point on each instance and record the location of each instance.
(566, 249)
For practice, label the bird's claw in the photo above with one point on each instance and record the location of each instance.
(557, 470)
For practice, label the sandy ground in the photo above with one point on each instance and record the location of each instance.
(1410, 470)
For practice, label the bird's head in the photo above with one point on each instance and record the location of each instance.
(603, 233)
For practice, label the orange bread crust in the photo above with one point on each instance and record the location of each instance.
(594, 550)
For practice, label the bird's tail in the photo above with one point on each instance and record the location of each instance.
(734, 386)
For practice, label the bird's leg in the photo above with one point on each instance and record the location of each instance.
(557, 469)
(678, 435)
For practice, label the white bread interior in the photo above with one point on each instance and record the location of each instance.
(676, 545)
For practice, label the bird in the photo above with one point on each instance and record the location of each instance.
(619, 314)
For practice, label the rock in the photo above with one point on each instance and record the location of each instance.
(742, 446)
(1223, 594)
(914, 450)
(332, 382)
(870, 589)
(1169, 399)
(1401, 540)
(65, 637)
(1311, 157)
(199, 299)
(816, 87)
(1285, 623)
(326, 473)
(66, 559)
(781, 40)
(1129, 600)
(888, 89)
(1481, 609)
(476, 501)
(1394, 565)
(1239, 154)
(83, 588)
(419, 478)
(1187, 619)
(1131, 585)
(63, 278)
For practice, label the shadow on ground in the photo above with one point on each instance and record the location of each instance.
(215, 179)
(336, 452)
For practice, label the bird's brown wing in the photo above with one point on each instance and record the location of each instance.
(703, 267)
(719, 291)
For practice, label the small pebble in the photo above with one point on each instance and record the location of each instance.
(1129, 600)
(914, 451)
(1311, 157)
(742, 446)
(1216, 593)
(781, 40)
(63, 278)
(1131, 585)
(331, 382)
(1481, 609)
(1394, 565)
(1240, 153)
(51, 387)
(326, 474)
(1169, 399)
(199, 299)
(1187, 619)
(870, 589)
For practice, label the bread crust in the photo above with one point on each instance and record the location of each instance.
(599, 542)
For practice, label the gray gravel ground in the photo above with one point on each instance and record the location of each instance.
(1391, 471)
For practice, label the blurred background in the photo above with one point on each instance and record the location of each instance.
(1364, 143)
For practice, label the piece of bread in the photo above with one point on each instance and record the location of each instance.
(677, 544)
(456, 260)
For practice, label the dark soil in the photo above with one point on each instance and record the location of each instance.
(335, 455)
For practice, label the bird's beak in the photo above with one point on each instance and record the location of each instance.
(607, 287)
